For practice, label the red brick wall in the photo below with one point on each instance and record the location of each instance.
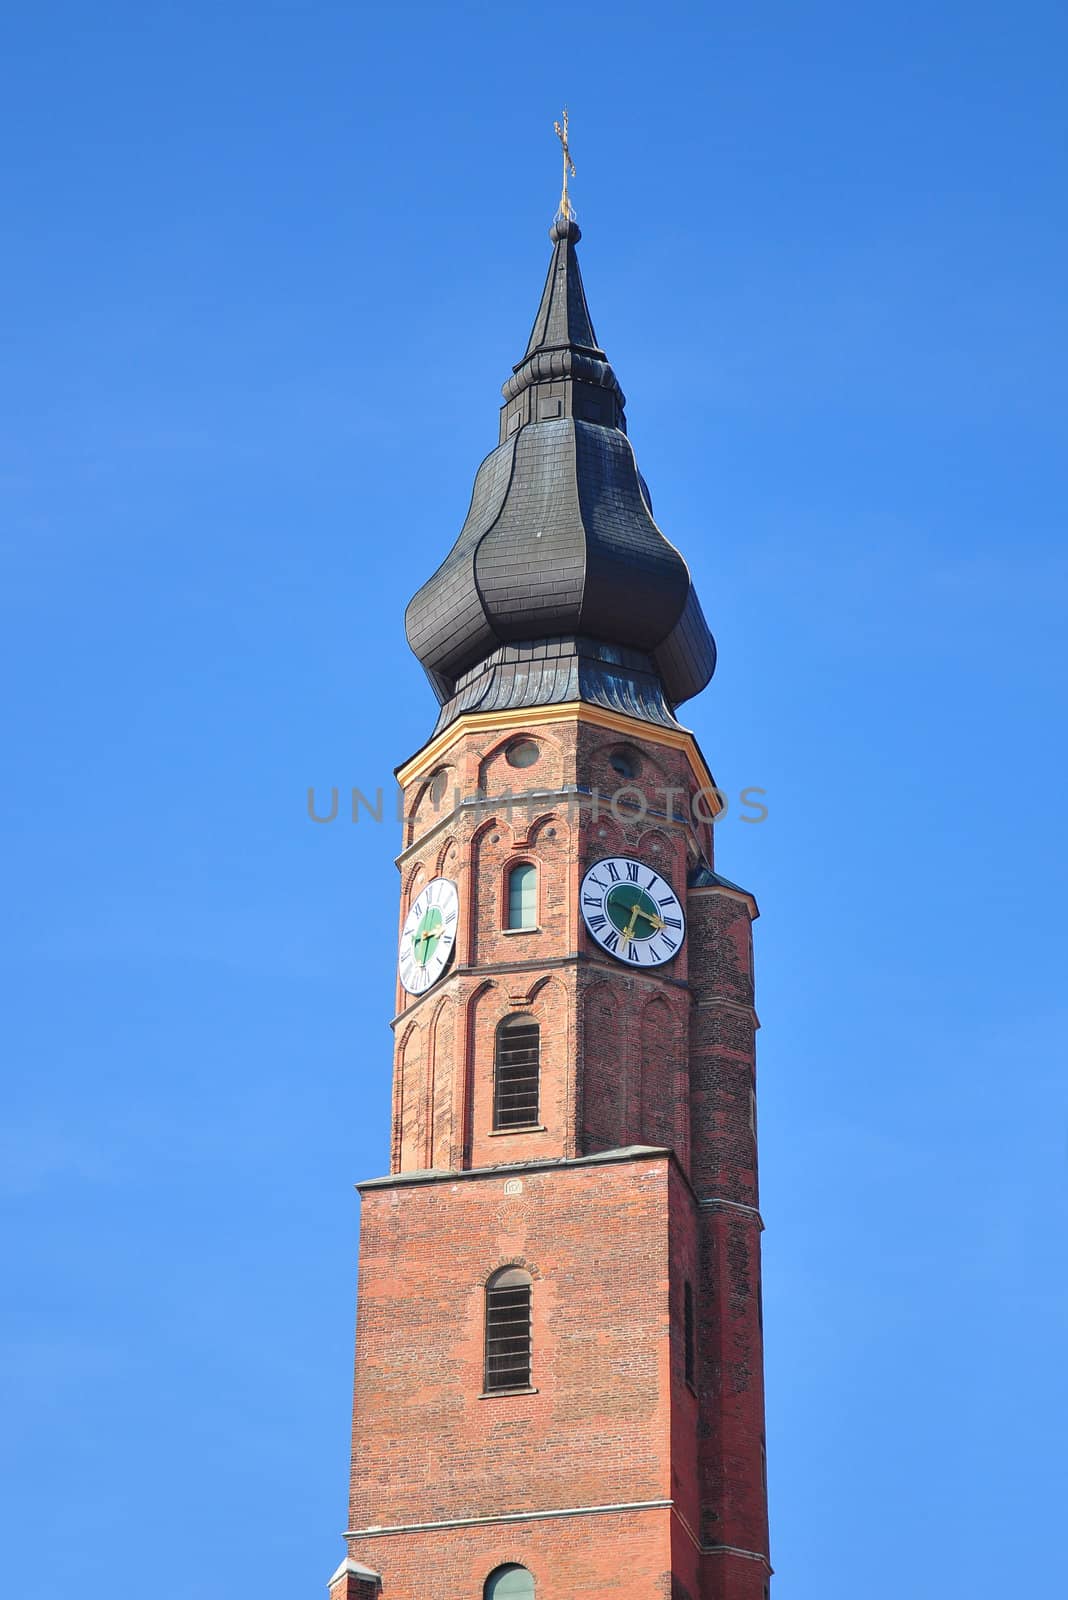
(622, 1555)
(663, 1059)
(595, 1241)
(613, 1067)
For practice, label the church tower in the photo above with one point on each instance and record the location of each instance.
(559, 1369)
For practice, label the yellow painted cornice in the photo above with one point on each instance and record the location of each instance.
(537, 716)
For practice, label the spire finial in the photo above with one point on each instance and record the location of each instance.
(569, 168)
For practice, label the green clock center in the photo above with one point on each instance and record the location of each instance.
(632, 911)
(426, 936)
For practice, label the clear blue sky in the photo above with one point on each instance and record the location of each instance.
(266, 267)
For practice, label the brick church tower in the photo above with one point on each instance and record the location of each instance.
(559, 1371)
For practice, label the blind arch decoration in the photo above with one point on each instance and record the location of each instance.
(510, 1582)
(508, 1334)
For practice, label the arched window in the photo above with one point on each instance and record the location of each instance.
(509, 1583)
(523, 896)
(508, 1338)
(516, 1073)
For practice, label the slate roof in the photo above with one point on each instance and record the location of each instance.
(560, 545)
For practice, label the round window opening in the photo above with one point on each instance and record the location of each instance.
(523, 753)
(626, 762)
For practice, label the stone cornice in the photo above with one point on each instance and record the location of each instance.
(571, 711)
(510, 1169)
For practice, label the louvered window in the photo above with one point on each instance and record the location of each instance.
(508, 1330)
(516, 1071)
(523, 896)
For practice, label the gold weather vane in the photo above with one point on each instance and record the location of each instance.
(569, 167)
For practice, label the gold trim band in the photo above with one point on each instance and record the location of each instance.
(570, 711)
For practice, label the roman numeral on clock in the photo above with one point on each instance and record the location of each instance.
(428, 936)
(640, 926)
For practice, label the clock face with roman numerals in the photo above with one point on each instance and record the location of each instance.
(632, 911)
(428, 935)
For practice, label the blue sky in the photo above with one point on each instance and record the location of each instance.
(266, 267)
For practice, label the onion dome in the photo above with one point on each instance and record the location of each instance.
(561, 586)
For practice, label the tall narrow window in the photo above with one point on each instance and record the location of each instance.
(523, 896)
(689, 1335)
(509, 1583)
(516, 1073)
(508, 1330)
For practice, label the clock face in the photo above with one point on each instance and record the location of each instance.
(428, 935)
(632, 911)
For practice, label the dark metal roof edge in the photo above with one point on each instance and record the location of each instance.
(703, 877)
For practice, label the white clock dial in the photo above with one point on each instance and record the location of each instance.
(428, 935)
(632, 911)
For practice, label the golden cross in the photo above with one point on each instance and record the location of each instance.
(569, 167)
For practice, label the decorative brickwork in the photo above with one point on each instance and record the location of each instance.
(600, 1237)
(612, 1471)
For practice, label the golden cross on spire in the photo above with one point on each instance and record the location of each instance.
(569, 167)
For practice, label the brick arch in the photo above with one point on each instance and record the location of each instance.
(411, 887)
(483, 884)
(645, 749)
(544, 993)
(656, 836)
(441, 1087)
(542, 983)
(660, 1059)
(542, 823)
(667, 853)
(505, 1263)
(471, 1038)
(549, 999)
(605, 1049)
(448, 856)
(423, 807)
(409, 1100)
(605, 837)
(544, 737)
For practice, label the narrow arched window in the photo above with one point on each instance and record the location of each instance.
(509, 1583)
(516, 1073)
(508, 1331)
(523, 896)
